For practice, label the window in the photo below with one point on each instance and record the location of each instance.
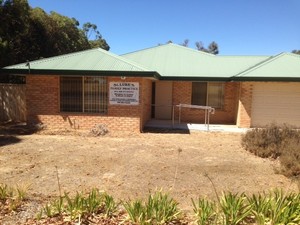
(208, 93)
(83, 94)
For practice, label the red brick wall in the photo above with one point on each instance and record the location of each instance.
(182, 93)
(245, 104)
(42, 97)
(43, 106)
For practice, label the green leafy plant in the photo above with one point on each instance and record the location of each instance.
(48, 210)
(162, 208)
(158, 209)
(110, 205)
(58, 205)
(136, 211)
(260, 207)
(284, 209)
(94, 201)
(81, 206)
(204, 211)
(75, 207)
(234, 208)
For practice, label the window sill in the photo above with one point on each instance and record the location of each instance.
(82, 114)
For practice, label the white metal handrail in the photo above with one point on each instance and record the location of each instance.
(208, 110)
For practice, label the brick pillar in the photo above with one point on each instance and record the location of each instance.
(245, 105)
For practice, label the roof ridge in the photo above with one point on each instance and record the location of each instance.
(144, 49)
(292, 54)
(246, 56)
(125, 60)
(168, 44)
(193, 50)
(260, 64)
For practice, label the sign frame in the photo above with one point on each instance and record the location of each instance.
(124, 93)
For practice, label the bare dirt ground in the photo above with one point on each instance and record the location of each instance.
(132, 165)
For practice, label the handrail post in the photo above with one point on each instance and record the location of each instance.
(173, 112)
(208, 113)
(179, 120)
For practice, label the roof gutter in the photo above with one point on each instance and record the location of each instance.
(265, 79)
(223, 79)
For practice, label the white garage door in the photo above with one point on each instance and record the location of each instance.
(276, 102)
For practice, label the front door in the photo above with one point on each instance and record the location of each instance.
(163, 100)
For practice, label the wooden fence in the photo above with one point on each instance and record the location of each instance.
(12, 102)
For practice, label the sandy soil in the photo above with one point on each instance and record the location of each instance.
(130, 166)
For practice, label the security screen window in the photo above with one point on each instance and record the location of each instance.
(83, 94)
(208, 94)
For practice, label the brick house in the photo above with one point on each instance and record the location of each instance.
(124, 92)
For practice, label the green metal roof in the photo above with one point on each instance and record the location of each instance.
(173, 61)
(285, 67)
(93, 61)
(167, 62)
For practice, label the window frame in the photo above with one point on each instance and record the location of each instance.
(194, 97)
(95, 94)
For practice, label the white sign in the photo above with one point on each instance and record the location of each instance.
(124, 93)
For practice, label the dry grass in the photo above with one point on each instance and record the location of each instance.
(276, 141)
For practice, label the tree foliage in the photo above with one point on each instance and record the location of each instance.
(212, 48)
(296, 52)
(30, 33)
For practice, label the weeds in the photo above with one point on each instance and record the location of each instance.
(5, 192)
(179, 150)
(12, 198)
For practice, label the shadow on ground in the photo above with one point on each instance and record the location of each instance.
(8, 140)
(9, 131)
(17, 129)
(166, 131)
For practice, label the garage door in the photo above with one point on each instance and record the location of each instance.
(276, 102)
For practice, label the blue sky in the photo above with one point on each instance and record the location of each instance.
(240, 27)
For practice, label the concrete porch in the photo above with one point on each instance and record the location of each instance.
(167, 124)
